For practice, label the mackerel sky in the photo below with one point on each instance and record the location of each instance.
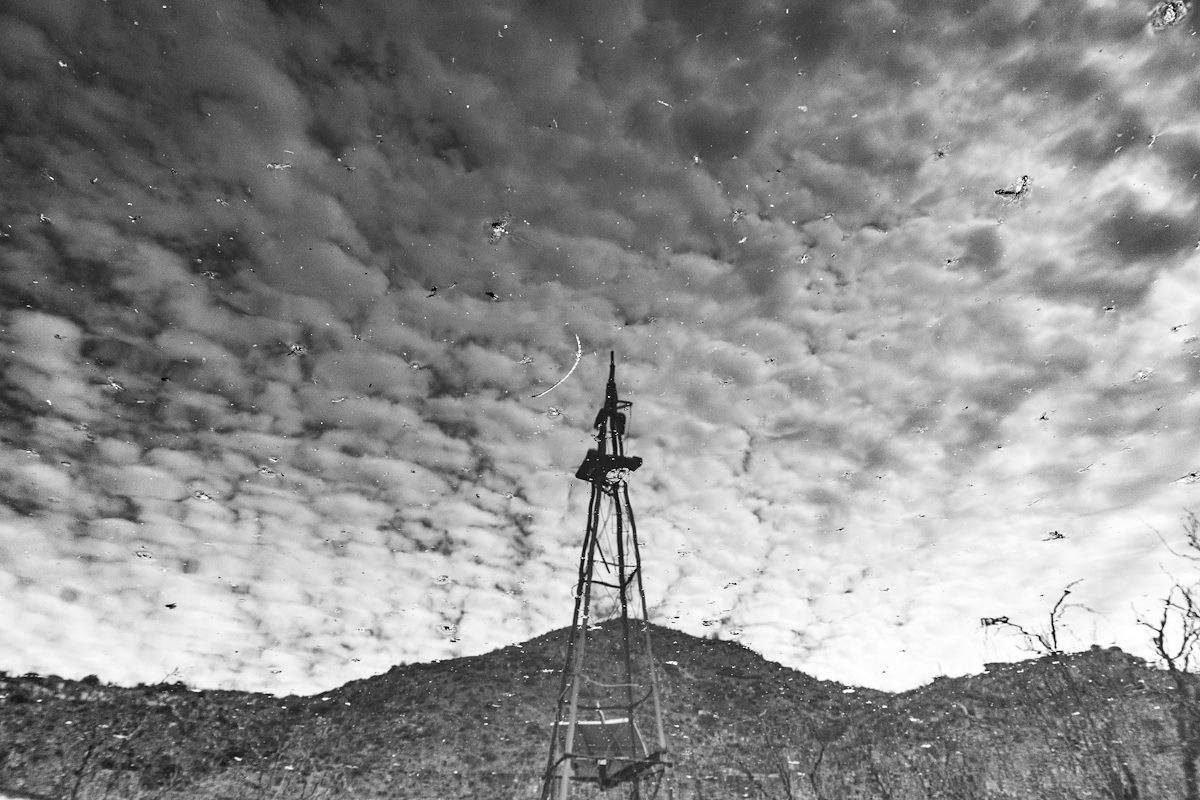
(266, 368)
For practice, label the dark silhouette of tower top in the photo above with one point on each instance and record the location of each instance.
(608, 460)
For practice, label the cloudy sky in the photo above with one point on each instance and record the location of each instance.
(266, 413)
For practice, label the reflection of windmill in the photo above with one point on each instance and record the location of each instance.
(608, 699)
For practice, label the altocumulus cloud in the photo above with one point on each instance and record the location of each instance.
(278, 281)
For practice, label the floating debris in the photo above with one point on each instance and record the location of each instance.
(1016, 192)
(1167, 14)
(498, 228)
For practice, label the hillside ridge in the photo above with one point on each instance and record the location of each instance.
(1098, 723)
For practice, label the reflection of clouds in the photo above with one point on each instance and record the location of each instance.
(841, 415)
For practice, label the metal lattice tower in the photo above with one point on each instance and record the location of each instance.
(609, 697)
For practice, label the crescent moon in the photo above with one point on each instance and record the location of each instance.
(578, 356)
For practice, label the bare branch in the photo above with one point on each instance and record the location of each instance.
(1055, 615)
(1043, 641)
(1172, 550)
(1175, 634)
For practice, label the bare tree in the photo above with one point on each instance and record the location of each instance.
(1092, 735)
(1175, 634)
(1043, 640)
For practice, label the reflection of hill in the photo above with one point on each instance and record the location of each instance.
(1094, 724)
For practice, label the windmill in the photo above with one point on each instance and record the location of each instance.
(608, 726)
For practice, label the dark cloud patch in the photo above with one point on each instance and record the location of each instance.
(881, 145)
(615, 21)
(300, 8)
(998, 25)
(1065, 356)
(72, 269)
(982, 250)
(716, 132)
(1134, 233)
(220, 256)
(1181, 152)
(1115, 22)
(742, 24)
(1060, 73)
(1095, 143)
(1086, 282)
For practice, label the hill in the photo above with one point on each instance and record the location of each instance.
(1088, 725)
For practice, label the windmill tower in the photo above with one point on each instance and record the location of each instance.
(608, 728)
